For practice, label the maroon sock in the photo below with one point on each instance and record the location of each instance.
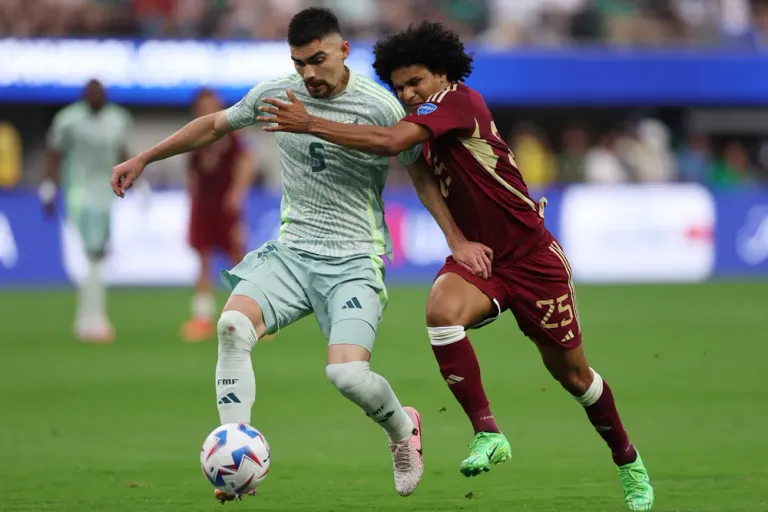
(460, 369)
(605, 418)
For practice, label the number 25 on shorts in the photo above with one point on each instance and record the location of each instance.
(562, 308)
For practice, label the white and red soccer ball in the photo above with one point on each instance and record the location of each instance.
(235, 458)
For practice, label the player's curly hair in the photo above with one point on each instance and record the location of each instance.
(431, 45)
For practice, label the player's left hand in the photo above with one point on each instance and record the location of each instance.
(286, 117)
(475, 257)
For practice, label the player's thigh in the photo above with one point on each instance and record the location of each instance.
(459, 297)
(542, 298)
(271, 277)
(350, 298)
(93, 226)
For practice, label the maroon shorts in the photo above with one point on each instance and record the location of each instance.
(215, 230)
(537, 289)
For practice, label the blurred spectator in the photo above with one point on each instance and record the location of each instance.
(644, 149)
(154, 17)
(501, 23)
(533, 155)
(735, 168)
(622, 23)
(695, 160)
(10, 155)
(573, 161)
(603, 163)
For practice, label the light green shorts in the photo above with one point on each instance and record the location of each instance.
(93, 226)
(347, 295)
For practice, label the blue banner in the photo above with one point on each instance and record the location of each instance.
(30, 243)
(616, 234)
(742, 234)
(168, 72)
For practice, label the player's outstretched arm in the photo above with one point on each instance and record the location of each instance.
(379, 140)
(196, 134)
(474, 256)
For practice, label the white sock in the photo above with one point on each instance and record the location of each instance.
(373, 394)
(594, 392)
(91, 310)
(235, 381)
(203, 305)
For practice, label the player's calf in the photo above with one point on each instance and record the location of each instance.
(453, 304)
(235, 380)
(373, 394)
(570, 368)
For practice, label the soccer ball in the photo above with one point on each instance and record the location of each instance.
(235, 458)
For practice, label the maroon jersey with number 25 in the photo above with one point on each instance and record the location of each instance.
(478, 176)
(488, 199)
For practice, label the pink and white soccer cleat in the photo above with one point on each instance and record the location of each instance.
(407, 459)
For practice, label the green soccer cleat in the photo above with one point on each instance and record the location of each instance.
(638, 491)
(487, 448)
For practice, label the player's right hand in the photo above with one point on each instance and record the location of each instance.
(124, 174)
(475, 257)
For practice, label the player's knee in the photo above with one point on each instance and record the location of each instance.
(575, 380)
(579, 380)
(588, 391)
(236, 332)
(348, 376)
(444, 313)
(96, 255)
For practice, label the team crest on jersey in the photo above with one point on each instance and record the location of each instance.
(426, 108)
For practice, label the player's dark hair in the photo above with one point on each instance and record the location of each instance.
(428, 44)
(312, 24)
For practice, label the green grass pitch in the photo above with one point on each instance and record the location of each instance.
(119, 427)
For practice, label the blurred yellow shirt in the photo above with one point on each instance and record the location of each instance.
(10, 155)
(534, 161)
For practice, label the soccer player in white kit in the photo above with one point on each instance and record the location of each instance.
(328, 257)
(87, 139)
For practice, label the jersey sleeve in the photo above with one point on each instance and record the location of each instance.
(244, 112)
(57, 134)
(445, 112)
(389, 113)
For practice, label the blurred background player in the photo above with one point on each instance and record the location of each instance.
(220, 176)
(482, 186)
(86, 139)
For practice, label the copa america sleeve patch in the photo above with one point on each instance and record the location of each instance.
(426, 108)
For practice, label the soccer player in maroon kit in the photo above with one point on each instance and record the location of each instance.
(490, 203)
(219, 178)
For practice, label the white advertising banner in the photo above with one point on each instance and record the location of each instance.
(639, 233)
